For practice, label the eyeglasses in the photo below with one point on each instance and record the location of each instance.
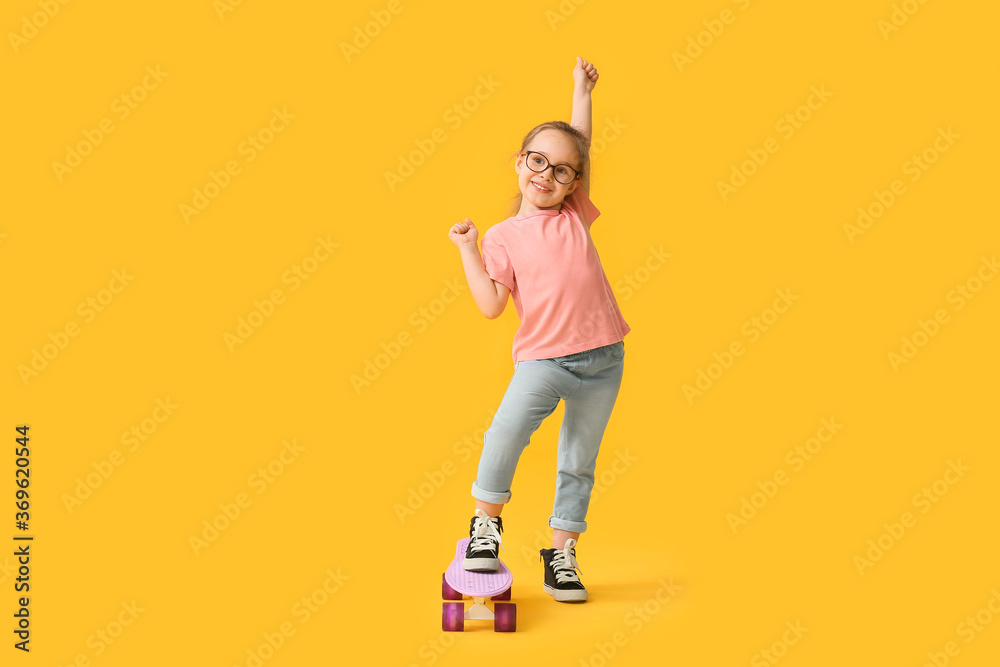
(563, 173)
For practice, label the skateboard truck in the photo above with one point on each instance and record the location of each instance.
(478, 611)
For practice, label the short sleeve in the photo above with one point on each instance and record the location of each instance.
(579, 202)
(496, 260)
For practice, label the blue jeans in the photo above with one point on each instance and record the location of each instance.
(588, 382)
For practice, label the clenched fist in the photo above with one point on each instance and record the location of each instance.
(463, 233)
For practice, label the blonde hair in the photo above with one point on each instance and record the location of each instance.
(582, 149)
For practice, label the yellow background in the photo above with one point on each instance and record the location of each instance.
(417, 427)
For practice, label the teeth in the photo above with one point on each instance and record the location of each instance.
(540, 187)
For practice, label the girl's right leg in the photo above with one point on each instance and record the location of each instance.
(532, 395)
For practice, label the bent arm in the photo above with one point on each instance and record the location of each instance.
(489, 295)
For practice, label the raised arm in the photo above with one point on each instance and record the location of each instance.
(584, 79)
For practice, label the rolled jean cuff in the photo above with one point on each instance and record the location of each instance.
(490, 496)
(567, 525)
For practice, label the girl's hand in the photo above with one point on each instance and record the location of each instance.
(463, 233)
(585, 75)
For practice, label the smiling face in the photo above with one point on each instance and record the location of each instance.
(541, 191)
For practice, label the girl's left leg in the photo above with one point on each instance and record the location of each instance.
(588, 410)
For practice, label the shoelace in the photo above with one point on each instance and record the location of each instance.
(484, 533)
(564, 563)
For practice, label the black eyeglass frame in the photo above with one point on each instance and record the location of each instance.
(549, 164)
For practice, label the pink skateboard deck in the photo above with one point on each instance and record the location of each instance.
(458, 582)
(476, 584)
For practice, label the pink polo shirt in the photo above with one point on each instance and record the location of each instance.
(562, 296)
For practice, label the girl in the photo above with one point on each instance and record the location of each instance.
(569, 345)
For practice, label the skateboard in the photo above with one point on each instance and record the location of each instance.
(458, 583)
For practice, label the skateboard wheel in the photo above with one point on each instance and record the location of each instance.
(447, 592)
(453, 617)
(503, 596)
(504, 617)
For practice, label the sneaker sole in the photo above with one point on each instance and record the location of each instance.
(481, 564)
(566, 596)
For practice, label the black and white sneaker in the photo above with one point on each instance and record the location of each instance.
(483, 552)
(561, 580)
